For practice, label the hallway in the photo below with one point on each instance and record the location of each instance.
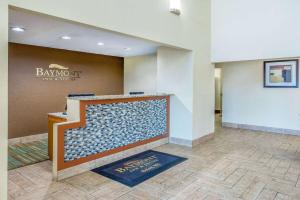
(236, 164)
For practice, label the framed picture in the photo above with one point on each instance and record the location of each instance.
(281, 74)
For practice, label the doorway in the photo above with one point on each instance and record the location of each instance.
(218, 95)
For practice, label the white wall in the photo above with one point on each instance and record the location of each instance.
(3, 97)
(255, 29)
(140, 74)
(246, 101)
(175, 76)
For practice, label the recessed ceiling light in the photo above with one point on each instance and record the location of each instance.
(100, 43)
(17, 29)
(65, 37)
(127, 49)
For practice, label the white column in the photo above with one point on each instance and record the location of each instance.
(175, 76)
(3, 97)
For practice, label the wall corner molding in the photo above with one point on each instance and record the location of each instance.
(191, 143)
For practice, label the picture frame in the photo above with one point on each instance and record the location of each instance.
(281, 74)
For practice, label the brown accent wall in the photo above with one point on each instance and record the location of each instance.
(31, 98)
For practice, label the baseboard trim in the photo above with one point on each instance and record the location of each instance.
(191, 143)
(203, 139)
(261, 128)
(30, 138)
(181, 142)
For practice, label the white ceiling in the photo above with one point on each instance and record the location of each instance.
(42, 30)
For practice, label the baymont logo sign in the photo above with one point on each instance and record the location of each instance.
(57, 72)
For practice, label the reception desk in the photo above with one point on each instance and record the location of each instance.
(101, 126)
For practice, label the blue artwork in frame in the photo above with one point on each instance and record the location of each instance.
(281, 74)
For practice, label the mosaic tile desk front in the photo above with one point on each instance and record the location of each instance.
(109, 126)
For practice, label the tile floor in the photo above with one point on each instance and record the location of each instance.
(236, 164)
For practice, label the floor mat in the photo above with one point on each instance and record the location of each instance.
(20, 155)
(138, 168)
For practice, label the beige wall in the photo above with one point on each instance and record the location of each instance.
(246, 101)
(102, 75)
(140, 74)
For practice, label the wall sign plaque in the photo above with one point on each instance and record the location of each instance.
(57, 72)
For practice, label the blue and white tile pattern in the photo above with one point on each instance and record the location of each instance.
(109, 126)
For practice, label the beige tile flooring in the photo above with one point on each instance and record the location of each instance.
(237, 164)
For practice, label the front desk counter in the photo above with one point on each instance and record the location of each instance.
(101, 126)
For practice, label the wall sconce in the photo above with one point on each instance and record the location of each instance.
(175, 6)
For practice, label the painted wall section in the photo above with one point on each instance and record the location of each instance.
(140, 74)
(175, 76)
(254, 29)
(4, 97)
(203, 79)
(246, 101)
